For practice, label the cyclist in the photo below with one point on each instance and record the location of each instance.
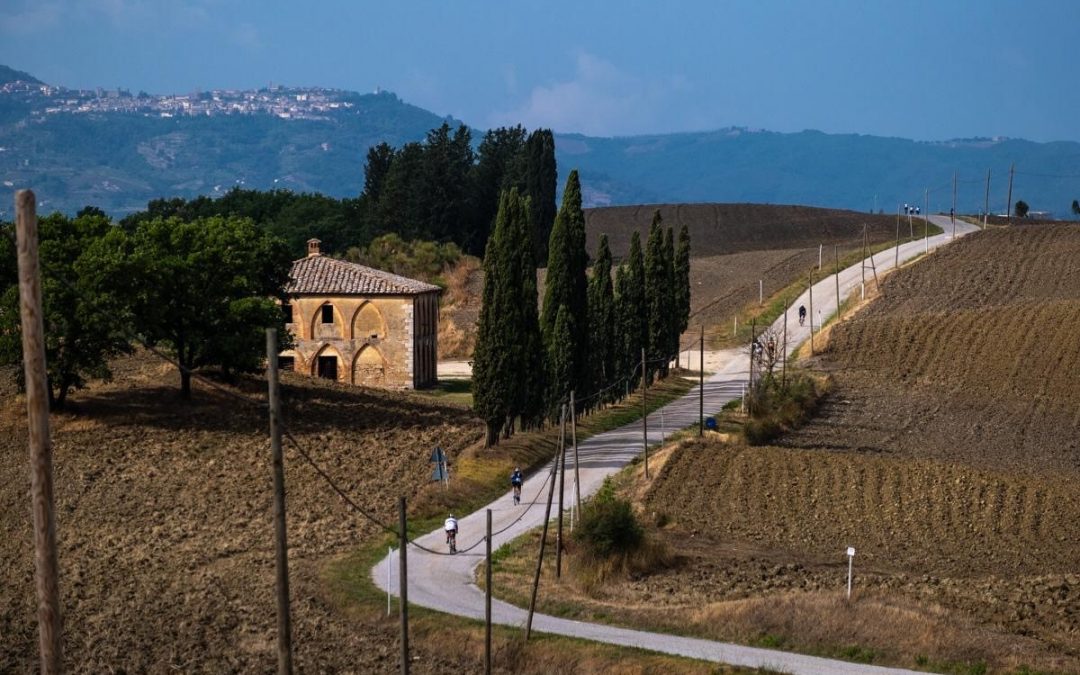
(516, 479)
(802, 314)
(450, 525)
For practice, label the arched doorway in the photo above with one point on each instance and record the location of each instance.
(327, 364)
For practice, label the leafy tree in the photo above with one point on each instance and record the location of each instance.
(495, 170)
(85, 321)
(379, 159)
(656, 296)
(682, 280)
(602, 333)
(1021, 209)
(398, 209)
(203, 289)
(1076, 207)
(447, 162)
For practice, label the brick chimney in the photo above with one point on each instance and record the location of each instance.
(313, 247)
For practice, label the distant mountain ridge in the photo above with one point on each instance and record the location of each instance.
(117, 150)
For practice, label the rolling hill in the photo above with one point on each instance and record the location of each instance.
(117, 151)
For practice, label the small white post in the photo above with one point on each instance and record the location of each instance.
(819, 255)
(662, 435)
(760, 292)
(850, 558)
(862, 292)
(389, 567)
(735, 330)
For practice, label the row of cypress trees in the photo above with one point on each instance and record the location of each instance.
(589, 334)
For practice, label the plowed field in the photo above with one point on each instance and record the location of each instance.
(165, 532)
(972, 356)
(722, 229)
(947, 453)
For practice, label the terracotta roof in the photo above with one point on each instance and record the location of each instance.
(318, 274)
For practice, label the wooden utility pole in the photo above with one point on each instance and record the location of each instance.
(986, 204)
(487, 598)
(543, 535)
(896, 262)
(644, 415)
(701, 385)
(562, 493)
(573, 437)
(926, 221)
(46, 572)
(952, 211)
(281, 550)
(811, 312)
(836, 263)
(862, 256)
(403, 585)
(1008, 210)
(750, 386)
(873, 268)
(783, 368)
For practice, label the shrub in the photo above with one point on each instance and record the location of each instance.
(609, 539)
(775, 410)
(609, 527)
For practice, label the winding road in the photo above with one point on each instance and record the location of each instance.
(446, 583)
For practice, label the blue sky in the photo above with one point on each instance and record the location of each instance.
(926, 70)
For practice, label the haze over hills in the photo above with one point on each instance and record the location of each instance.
(117, 150)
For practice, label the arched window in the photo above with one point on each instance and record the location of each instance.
(369, 324)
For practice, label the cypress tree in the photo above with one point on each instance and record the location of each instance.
(566, 283)
(671, 314)
(491, 358)
(656, 295)
(532, 374)
(560, 358)
(682, 279)
(633, 311)
(540, 183)
(620, 344)
(601, 320)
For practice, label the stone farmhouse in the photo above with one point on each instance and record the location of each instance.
(359, 325)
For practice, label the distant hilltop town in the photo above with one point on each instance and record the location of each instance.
(308, 103)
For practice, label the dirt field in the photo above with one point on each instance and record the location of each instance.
(164, 524)
(947, 454)
(722, 229)
(973, 357)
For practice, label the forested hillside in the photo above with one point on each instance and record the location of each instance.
(119, 158)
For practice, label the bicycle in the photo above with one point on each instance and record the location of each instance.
(451, 540)
(517, 494)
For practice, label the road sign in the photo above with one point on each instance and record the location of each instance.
(851, 550)
(442, 468)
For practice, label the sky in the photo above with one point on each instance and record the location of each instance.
(932, 70)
